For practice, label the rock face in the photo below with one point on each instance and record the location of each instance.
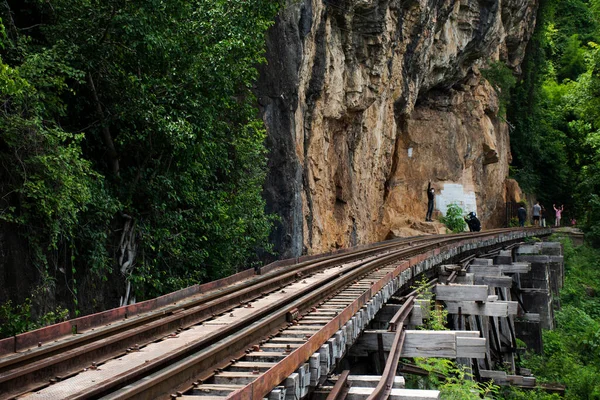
(365, 101)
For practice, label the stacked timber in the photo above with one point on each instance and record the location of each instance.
(360, 387)
(541, 285)
(423, 343)
(505, 300)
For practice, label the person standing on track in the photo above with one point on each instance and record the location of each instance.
(537, 211)
(543, 212)
(521, 214)
(558, 212)
(430, 197)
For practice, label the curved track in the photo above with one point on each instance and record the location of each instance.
(179, 346)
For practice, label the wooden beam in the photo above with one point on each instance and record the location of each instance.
(361, 393)
(470, 347)
(389, 310)
(429, 344)
(461, 292)
(370, 381)
(502, 378)
(479, 271)
(497, 270)
(492, 309)
(515, 268)
(422, 343)
(494, 281)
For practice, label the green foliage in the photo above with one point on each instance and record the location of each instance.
(554, 111)
(436, 317)
(455, 382)
(16, 319)
(501, 77)
(136, 111)
(454, 219)
(572, 350)
(573, 59)
(540, 163)
(513, 393)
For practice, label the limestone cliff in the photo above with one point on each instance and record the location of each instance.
(365, 101)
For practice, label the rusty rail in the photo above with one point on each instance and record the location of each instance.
(384, 387)
(24, 371)
(273, 318)
(266, 322)
(341, 387)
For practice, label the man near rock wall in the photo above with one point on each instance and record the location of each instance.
(522, 215)
(537, 211)
(430, 197)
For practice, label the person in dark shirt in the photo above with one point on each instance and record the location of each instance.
(537, 212)
(522, 215)
(430, 197)
(473, 222)
(543, 222)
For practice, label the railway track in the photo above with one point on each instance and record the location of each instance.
(238, 341)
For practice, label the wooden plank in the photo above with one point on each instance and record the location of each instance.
(494, 281)
(529, 381)
(315, 369)
(479, 271)
(533, 317)
(274, 347)
(215, 390)
(276, 394)
(461, 292)
(515, 268)
(513, 307)
(470, 347)
(326, 362)
(419, 343)
(429, 344)
(371, 381)
(361, 393)
(475, 334)
(515, 379)
(416, 316)
(234, 378)
(251, 366)
(494, 309)
(292, 386)
(264, 356)
(487, 373)
(482, 261)
(449, 268)
(467, 279)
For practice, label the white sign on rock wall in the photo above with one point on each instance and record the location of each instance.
(455, 193)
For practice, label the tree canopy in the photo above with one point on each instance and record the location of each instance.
(131, 147)
(555, 115)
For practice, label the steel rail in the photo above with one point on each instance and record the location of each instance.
(384, 387)
(272, 319)
(273, 376)
(63, 358)
(32, 355)
(341, 387)
(290, 273)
